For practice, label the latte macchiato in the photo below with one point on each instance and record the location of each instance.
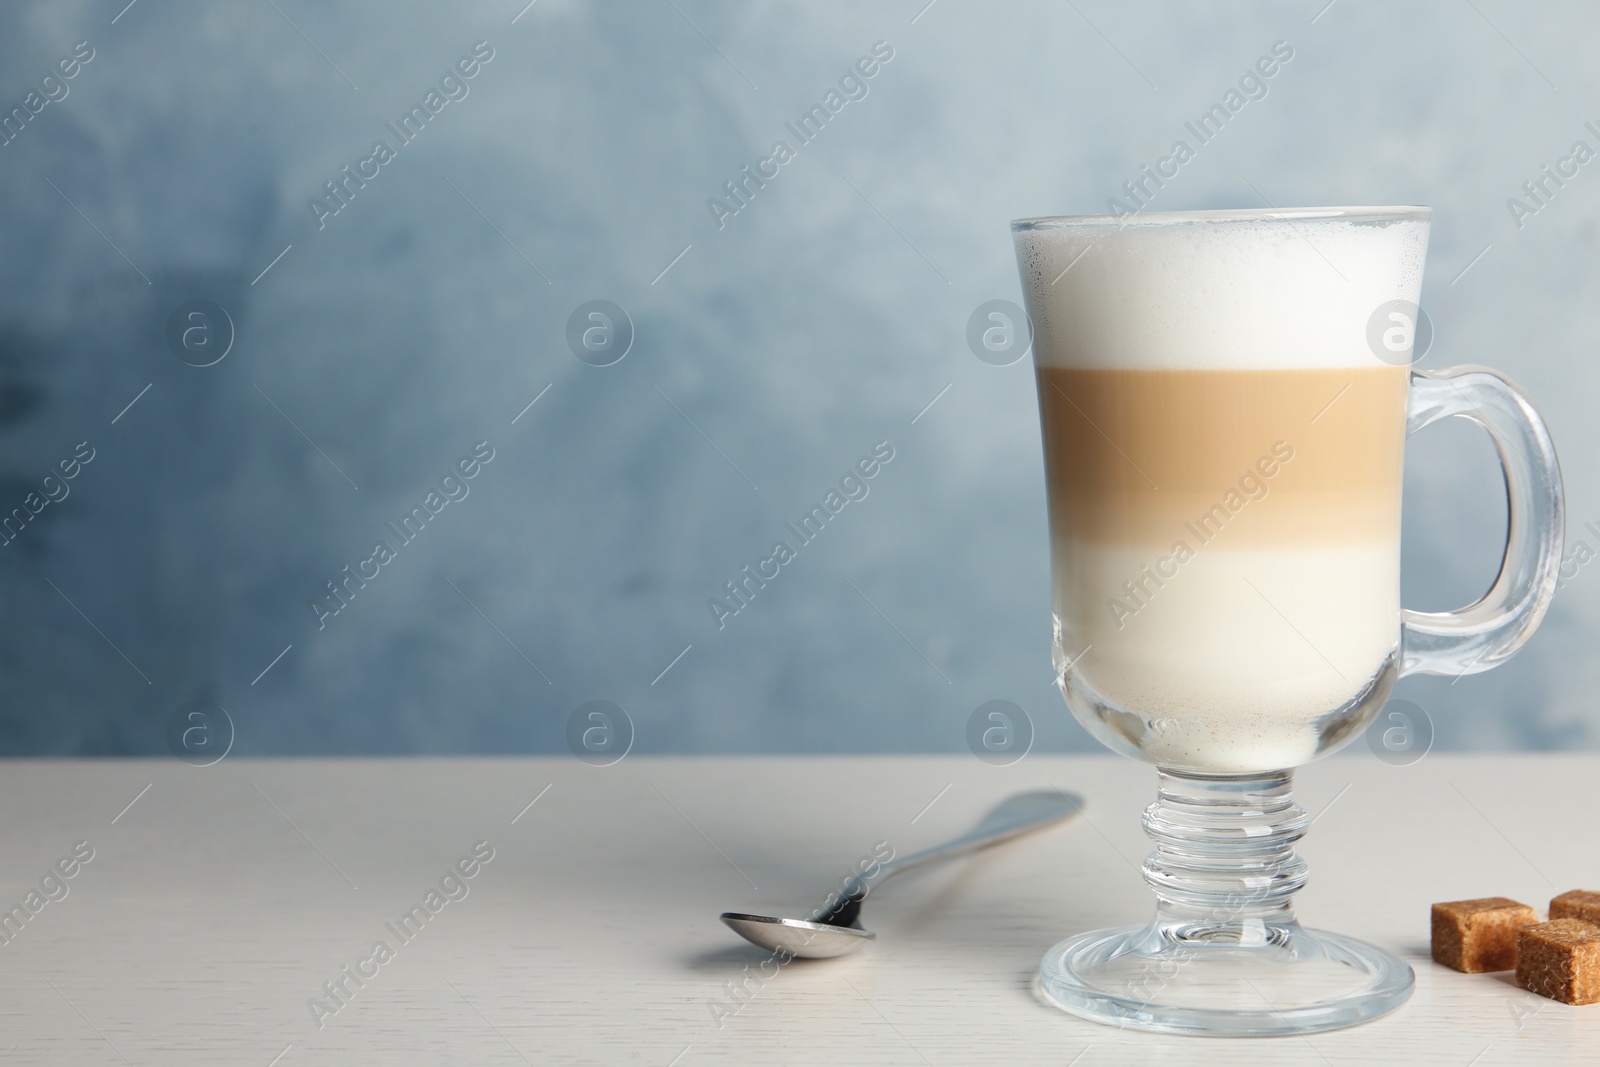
(1223, 455)
(1225, 398)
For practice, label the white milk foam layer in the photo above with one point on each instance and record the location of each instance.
(1238, 654)
(1216, 294)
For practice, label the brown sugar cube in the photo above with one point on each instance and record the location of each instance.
(1578, 904)
(1479, 935)
(1560, 959)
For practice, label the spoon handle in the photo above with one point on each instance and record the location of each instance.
(1018, 814)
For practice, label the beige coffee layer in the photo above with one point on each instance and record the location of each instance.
(1268, 458)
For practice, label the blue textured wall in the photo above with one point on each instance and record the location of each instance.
(773, 348)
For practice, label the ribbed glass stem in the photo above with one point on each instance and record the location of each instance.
(1224, 868)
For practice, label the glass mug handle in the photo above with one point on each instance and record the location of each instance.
(1486, 633)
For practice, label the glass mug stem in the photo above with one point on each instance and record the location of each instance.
(1224, 869)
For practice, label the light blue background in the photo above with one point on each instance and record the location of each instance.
(822, 318)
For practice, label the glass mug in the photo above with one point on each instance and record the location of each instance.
(1225, 398)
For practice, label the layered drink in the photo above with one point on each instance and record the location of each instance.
(1223, 454)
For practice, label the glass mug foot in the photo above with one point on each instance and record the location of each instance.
(1224, 955)
(1280, 980)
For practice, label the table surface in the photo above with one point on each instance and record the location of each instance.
(218, 904)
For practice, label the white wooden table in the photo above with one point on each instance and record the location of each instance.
(221, 901)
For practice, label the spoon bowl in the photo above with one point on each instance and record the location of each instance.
(798, 937)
